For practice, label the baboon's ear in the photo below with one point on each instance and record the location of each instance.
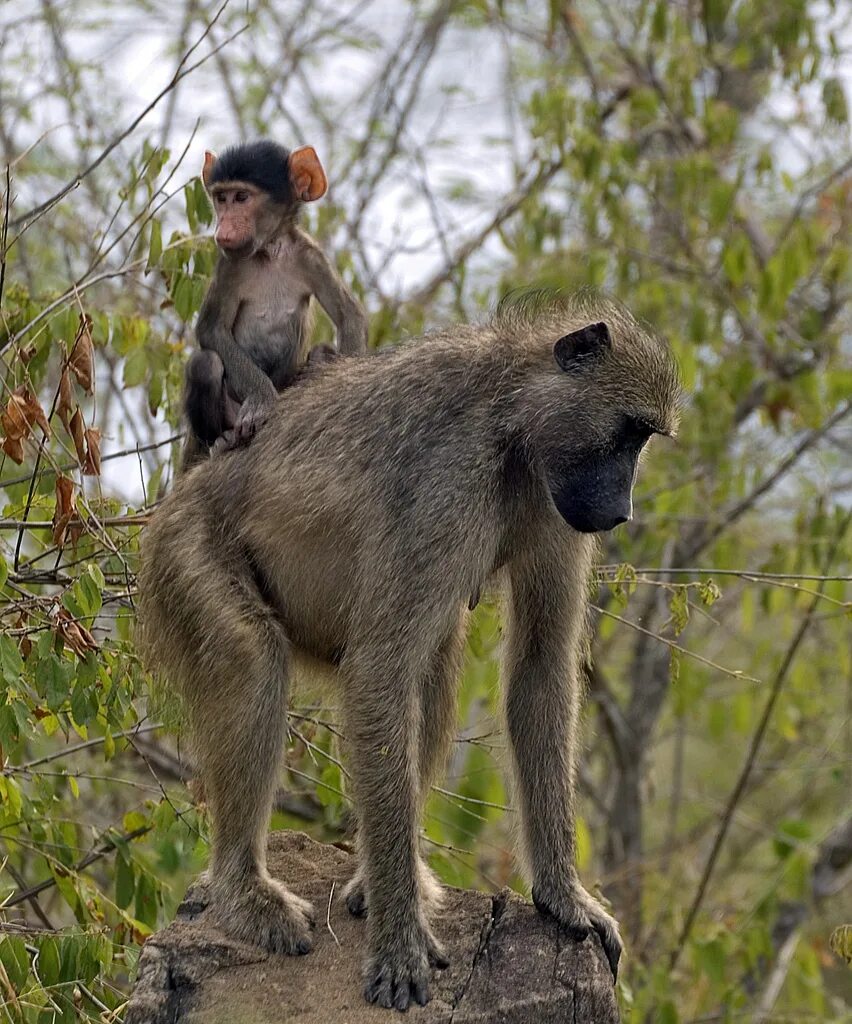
(207, 168)
(307, 174)
(582, 347)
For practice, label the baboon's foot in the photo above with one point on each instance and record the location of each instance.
(431, 891)
(264, 913)
(398, 972)
(197, 896)
(580, 913)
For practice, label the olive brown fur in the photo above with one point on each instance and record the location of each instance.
(381, 493)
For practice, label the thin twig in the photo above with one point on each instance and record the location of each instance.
(328, 914)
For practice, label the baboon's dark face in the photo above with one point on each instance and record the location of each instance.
(612, 407)
(595, 493)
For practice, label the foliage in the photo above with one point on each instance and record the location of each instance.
(692, 159)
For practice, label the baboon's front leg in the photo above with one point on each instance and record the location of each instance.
(437, 721)
(382, 718)
(548, 609)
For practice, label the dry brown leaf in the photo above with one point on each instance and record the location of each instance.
(14, 449)
(65, 404)
(92, 465)
(66, 509)
(82, 358)
(26, 354)
(14, 418)
(78, 433)
(21, 413)
(32, 410)
(74, 634)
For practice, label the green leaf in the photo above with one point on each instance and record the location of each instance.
(658, 22)
(711, 959)
(834, 101)
(11, 662)
(841, 942)
(790, 835)
(48, 962)
(125, 882)
(69, 954)
(182, 296)
(667, 1013)
(53, 678)
(155, 248)
(84, 702)
(11, 804)
(15, 960)
(135, 368)
(679, 608)
(146, 900)
(736, 259)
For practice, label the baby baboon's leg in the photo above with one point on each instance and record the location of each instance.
(437, 721)
(239, 723)
(548, 610)
(382, 697)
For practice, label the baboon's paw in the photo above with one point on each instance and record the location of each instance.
(268, 915)
(355, 894)
(197, 896)
(578, 914)
(398, 975)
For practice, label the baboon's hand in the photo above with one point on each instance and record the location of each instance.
(579, 913)
(398, 971)
(254, 412)
(224, 443)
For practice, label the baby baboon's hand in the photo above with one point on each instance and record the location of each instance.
(579, 913)
(254, 412)
(397, 973)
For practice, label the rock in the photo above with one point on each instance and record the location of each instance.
(509, 965)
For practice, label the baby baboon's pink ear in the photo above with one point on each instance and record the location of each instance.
(207, 167)
(307, 174)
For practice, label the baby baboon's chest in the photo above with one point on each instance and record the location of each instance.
(273, 310)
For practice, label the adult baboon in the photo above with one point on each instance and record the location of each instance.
(379, 496)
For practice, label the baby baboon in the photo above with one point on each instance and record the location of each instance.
(253, 328)
(382, 494)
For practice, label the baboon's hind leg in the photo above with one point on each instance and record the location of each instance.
(239, 723)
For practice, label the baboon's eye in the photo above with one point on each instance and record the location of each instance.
(636, 430)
